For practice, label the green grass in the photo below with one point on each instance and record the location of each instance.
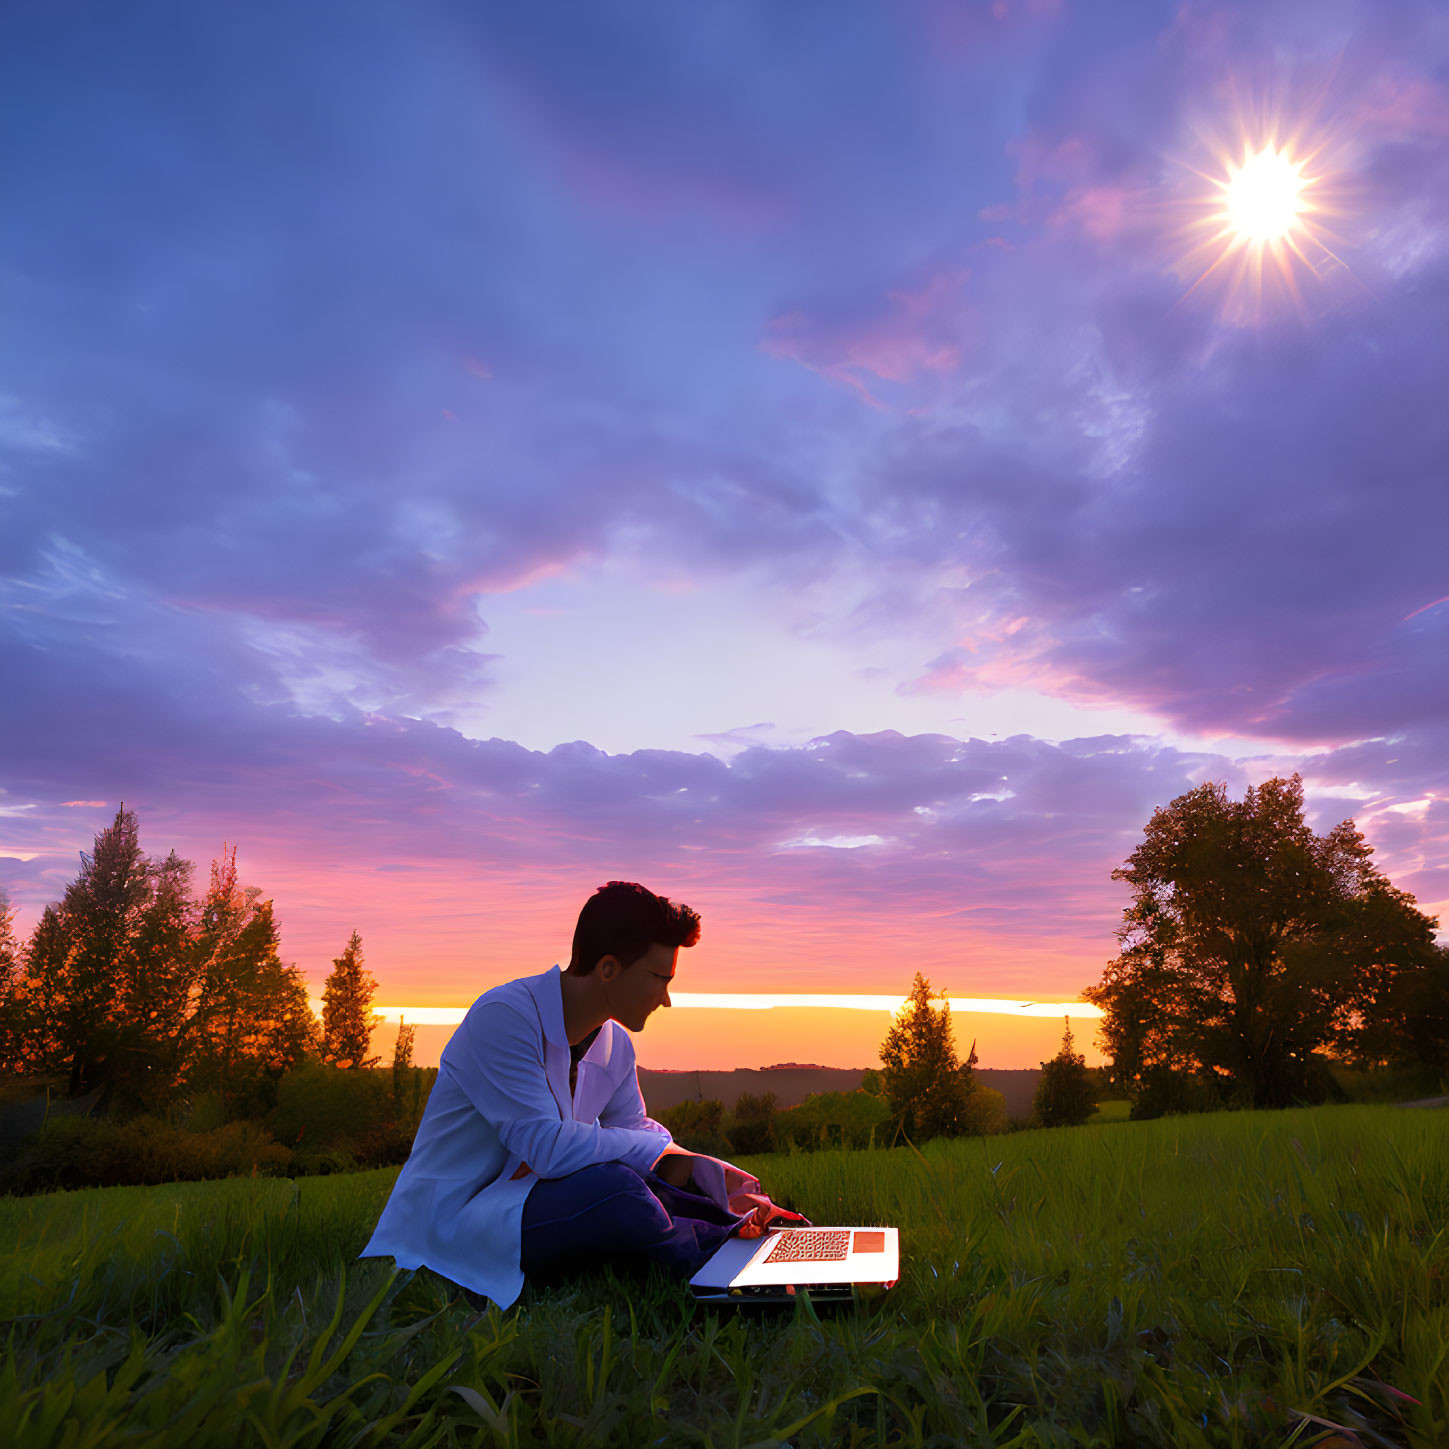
(1193, 1281)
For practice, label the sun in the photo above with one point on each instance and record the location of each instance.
(1259, 229)
(1263, 198)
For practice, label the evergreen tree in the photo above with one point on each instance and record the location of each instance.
(1064, 1093)
(921, 1076)
(347, 1019)
(402, 1056)
(157, 987)
(101, 909)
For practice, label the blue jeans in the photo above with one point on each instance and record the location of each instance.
(610, 1213)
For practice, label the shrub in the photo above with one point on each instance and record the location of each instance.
(985, 1112)
(1389, 1084)
(752, 1128)
(325, 1109)
(1161, 1092)
(697, 1126)
(74, 1152)
(835, 1119)
(322, 1164)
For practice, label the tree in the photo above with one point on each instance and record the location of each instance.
(1416, 1015)
(9, 986)
(920, 1074)
(1395, 1007)
(252, 1020)
(402, 1055)
(347, 1019)
(39, 1046)
(101, 910)
(1064, 1093)
(130, 985)
(1246, 943)
(156, 983)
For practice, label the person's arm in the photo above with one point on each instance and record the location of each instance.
(625, 1109)
(498, 1063)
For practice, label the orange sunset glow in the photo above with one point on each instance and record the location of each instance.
(710, 1031)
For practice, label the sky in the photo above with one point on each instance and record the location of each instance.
(831, 462)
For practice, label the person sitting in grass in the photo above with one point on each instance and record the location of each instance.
(535, 1157)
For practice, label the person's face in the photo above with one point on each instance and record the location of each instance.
(634, 993)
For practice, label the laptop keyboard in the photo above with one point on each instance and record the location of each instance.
(804, 1245)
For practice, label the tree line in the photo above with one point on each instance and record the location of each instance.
(134, 986)
(1258, 963)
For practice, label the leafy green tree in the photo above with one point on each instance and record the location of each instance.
(920, 1073)
(347, 1018)
(1395, 1008)
(1247, 944)
(1064, 1092)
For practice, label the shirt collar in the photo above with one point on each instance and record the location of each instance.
(549, 994)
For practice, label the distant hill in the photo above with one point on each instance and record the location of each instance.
(792, 1083)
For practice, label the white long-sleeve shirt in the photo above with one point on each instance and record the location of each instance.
(501, 1100)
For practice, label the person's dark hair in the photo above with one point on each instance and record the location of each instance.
(623, 920)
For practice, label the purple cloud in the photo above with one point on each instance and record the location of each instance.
(322, 340)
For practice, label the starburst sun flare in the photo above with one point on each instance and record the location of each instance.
(1258, 231)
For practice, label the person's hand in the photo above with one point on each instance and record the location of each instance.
(754, 1225)
(766, 1213)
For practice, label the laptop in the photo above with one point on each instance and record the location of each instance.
(826, 1263)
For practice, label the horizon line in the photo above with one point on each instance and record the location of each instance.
(768, 1001)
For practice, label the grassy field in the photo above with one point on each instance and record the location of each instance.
(1228, 1280)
